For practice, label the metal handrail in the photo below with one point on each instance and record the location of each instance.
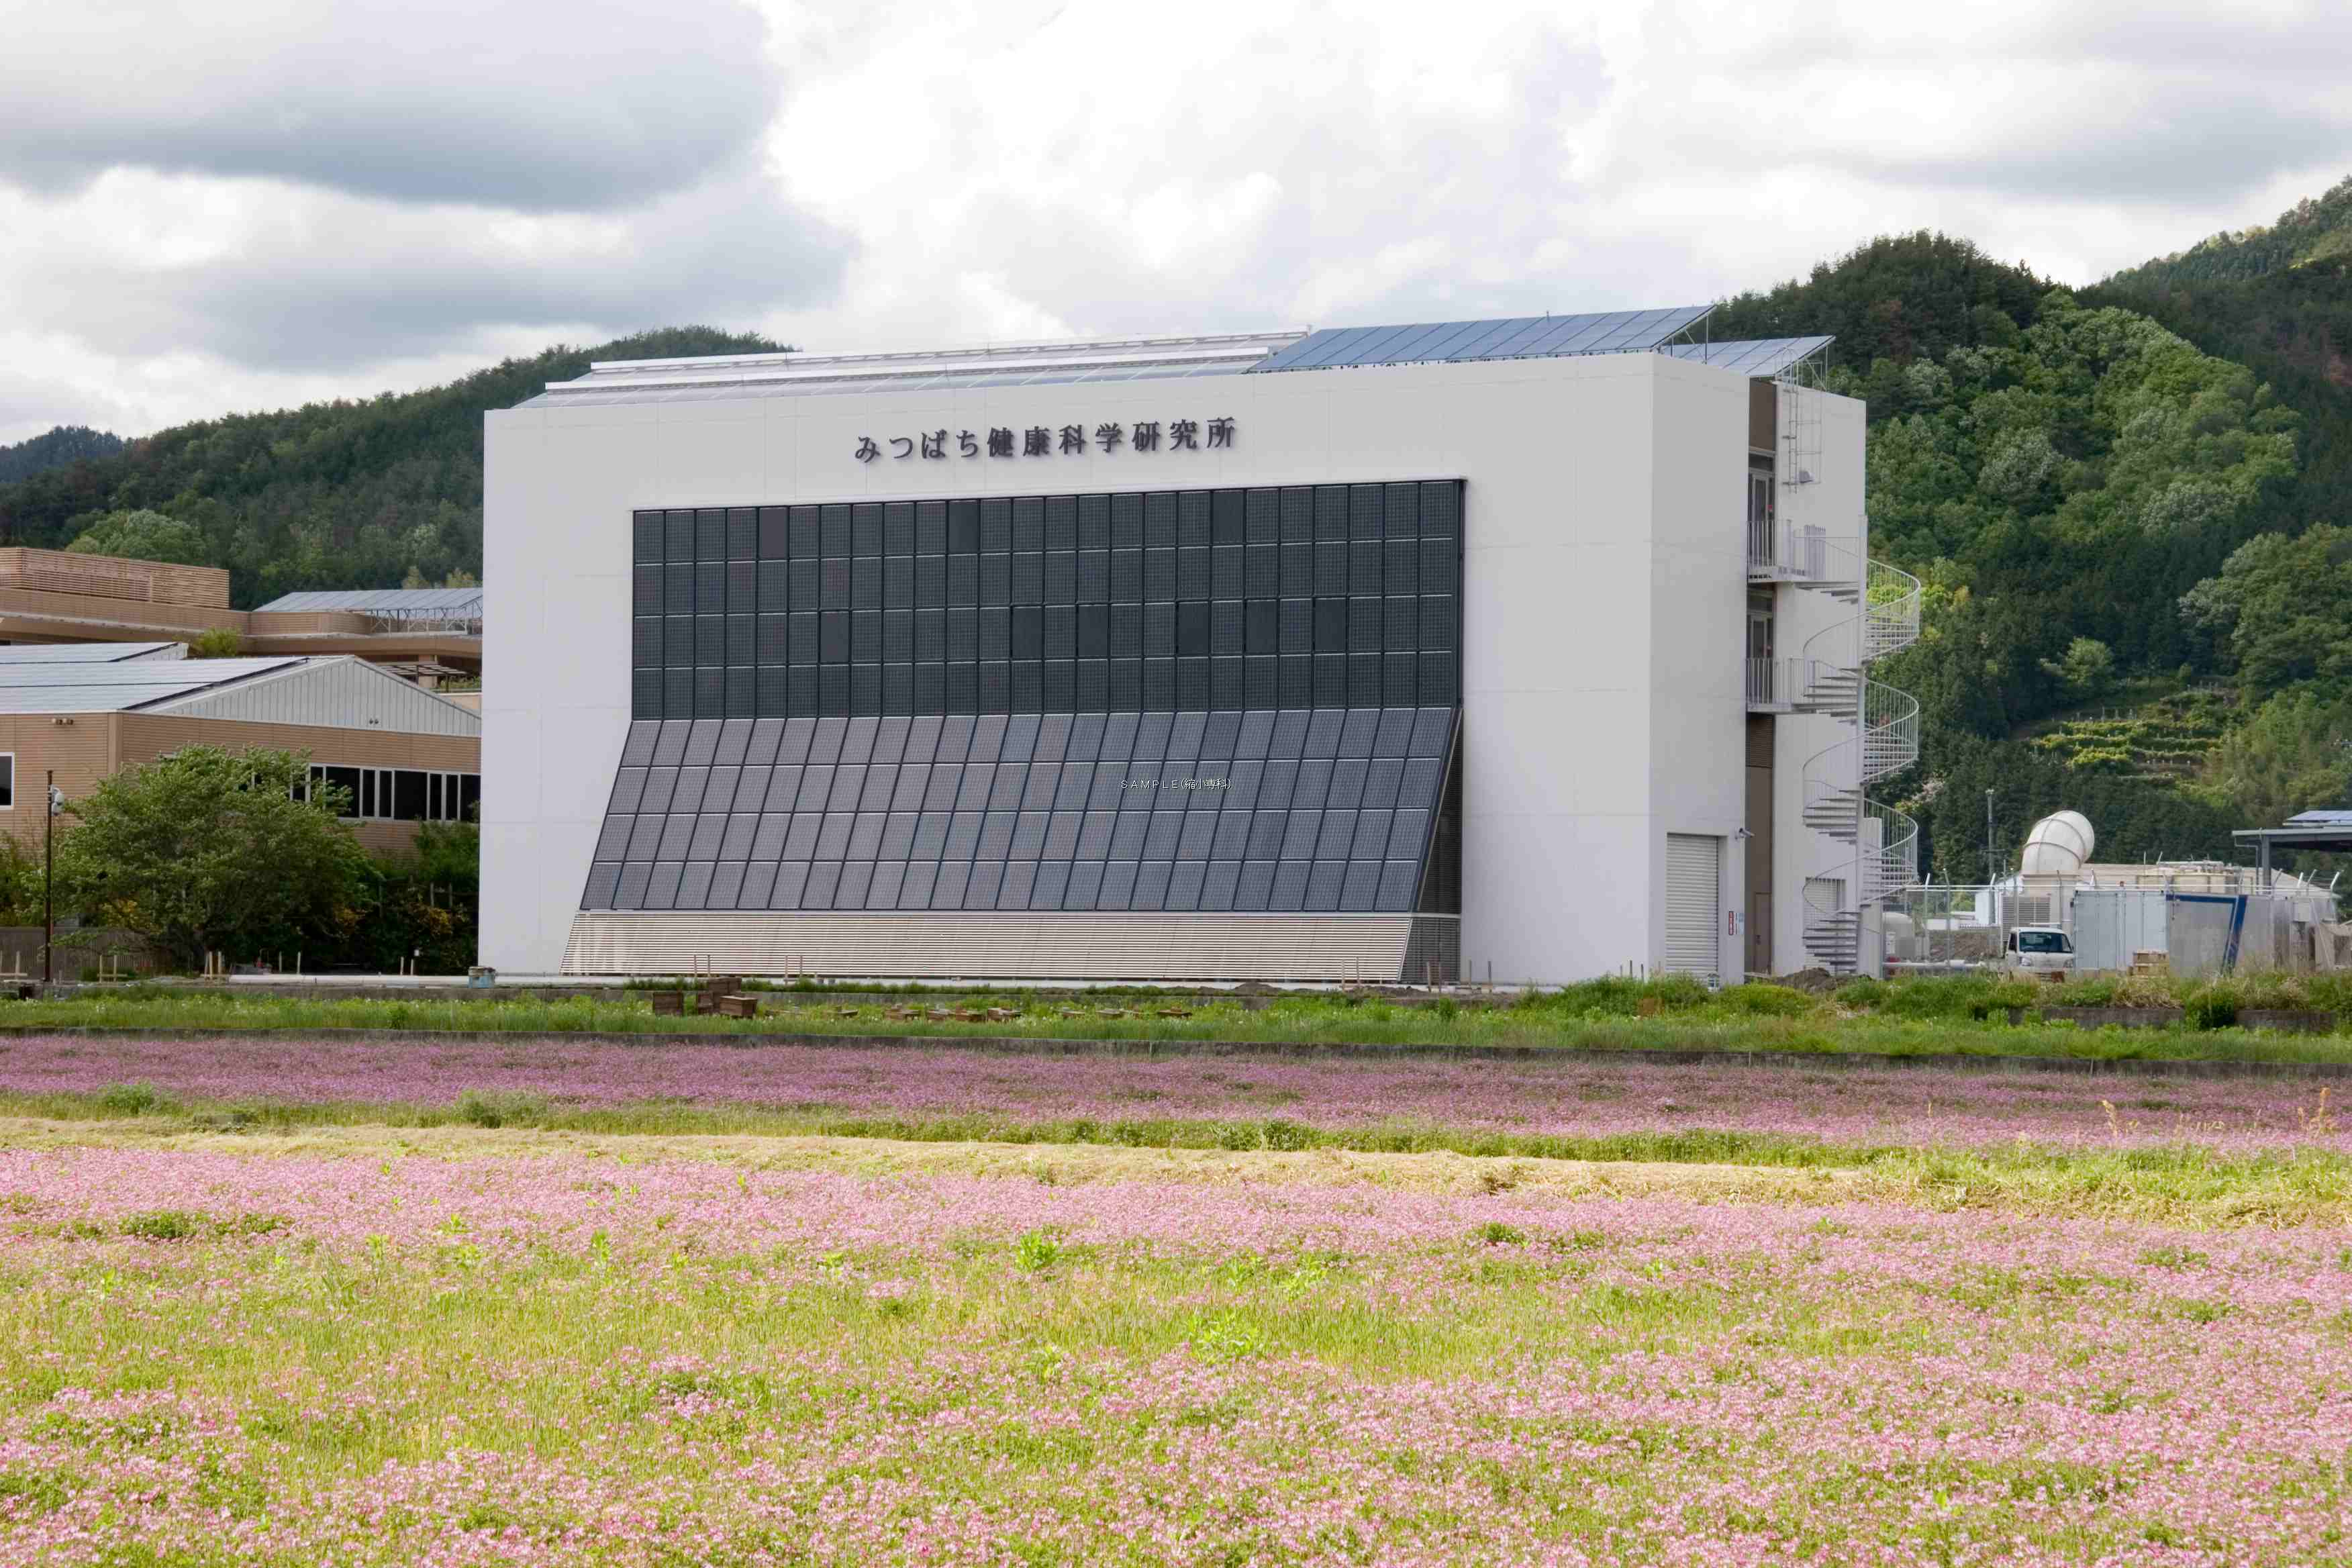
(1890, 610)
(1893, 859)
(1890, 729)
(1829, 678)
(1792, 553)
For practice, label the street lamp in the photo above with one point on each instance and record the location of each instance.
(48, 876)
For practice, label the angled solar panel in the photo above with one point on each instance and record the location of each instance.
(1516, 337)
(1752, 357)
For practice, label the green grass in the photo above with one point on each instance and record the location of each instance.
(1963, 1017)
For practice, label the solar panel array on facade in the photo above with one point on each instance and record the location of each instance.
(1515, 337)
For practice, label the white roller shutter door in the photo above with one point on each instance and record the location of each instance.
(1693, 902)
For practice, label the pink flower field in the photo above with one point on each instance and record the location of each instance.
(369, 1342)
(1572, 1096)
(231, 1358)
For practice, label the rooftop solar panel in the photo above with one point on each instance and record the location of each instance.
(1518, 337)
(397, 603)
(1753, 357)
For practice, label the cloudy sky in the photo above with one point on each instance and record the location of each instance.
(252, 202)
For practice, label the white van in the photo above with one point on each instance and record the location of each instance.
(2040, 950)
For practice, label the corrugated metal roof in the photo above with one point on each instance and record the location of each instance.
(90, 652)
(66, 687)
(2321, 819)
(396, 604)
(1752, 357)
(1511, 337)
(341, 693)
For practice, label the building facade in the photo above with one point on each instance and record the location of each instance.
(1374, 654)
(61, 596)
(80, 713)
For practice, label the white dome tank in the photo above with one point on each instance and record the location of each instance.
(2058, 846)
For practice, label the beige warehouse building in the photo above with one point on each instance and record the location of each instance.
(63, 596)
(88, 711)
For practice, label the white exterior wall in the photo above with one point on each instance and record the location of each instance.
(1603, 616)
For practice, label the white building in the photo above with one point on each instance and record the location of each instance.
(1528, 649)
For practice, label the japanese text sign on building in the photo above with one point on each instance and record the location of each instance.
(1046, 441)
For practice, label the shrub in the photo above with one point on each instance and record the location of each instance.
(132, 1099)
(1618, 995)
(2144, 991)
(163, 1225)
(1957, 997)
(1288, 1135)
(2273, 989)
(1758, 1000)
(1861, 996)
(2210, 1007)
(1036, 1250)
(498, 1107)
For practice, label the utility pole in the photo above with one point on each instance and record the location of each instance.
(48, 876)
(1992, 873)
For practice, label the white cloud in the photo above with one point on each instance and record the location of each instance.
(960, 170)
(591, 104)
(264, 275)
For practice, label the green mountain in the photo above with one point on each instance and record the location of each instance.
(2279, 302)
(54, 449)
(2316, 234)
(2062, 472)
(331, 495)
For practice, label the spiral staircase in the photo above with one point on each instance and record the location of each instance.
(1831, 679)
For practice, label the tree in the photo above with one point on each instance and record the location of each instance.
(209, 850)
(2088, 668)
(216, 642)
(143, 535)
(2282, 606)
(65, 445)
(2294, 755)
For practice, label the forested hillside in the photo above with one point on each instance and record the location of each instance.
(54, 449)
(2100, 510)
(331, 495)
(2279, 302)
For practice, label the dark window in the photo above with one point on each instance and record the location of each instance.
(1298, 643)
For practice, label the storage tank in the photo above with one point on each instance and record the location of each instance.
(2060, 845)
